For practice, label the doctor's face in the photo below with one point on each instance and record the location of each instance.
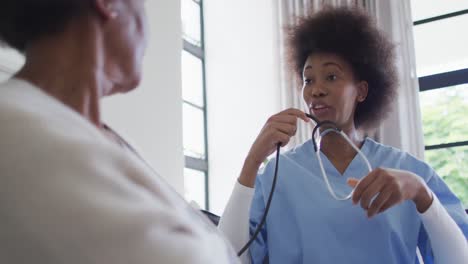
(330, 89)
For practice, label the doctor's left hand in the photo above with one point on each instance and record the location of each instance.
(390, 187)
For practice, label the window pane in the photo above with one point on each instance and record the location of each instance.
(440, 46)
(191, 22)
(192, 79)
(444, 114)
(452, 164)
(194, 182)
(194, 132)
(422, 9)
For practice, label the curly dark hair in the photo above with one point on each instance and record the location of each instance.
(24, 21)
(353, 36)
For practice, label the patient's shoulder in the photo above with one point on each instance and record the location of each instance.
(40, 135)
(26, 111)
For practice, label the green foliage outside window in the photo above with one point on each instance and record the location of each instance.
(445, 120)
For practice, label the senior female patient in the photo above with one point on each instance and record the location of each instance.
(349, 78)
(71, 190)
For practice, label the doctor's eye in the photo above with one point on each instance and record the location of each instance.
(331, 77)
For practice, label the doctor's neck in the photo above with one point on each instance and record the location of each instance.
(337, 144)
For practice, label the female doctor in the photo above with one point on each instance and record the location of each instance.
(401, 205)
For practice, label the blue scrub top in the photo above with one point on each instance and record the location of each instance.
(307, 225)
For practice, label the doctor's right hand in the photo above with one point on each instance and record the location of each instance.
(279, 128)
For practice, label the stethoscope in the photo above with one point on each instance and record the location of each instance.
(321, 129)
(327, 127)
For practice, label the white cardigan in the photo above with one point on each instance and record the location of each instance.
(69, 195)
(448, 242)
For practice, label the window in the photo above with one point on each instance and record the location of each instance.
(442, 68)
(194, 104)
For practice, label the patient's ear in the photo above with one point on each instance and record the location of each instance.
(106, 8)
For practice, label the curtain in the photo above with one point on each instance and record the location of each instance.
(403, 128)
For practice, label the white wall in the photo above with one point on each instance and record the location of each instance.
(242, 85)
(151, 116)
